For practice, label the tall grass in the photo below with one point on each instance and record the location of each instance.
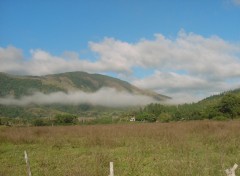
(169, 149)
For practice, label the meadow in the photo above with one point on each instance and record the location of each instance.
(193, 148)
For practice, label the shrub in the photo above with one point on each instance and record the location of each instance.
(65, 119)
(145, 116)
(220, 118)
(39, 122)
(165, 117)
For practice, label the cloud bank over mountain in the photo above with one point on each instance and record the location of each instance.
(104, 97)
(189, 64)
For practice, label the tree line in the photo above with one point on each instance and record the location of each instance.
(228, 107)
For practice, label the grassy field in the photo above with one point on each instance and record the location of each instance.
(196, 148)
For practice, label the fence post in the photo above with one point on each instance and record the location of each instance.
(27, 163)
(231, 171)
(111, 169)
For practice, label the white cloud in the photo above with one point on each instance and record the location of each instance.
(105, 97)
(42, 63)
(190, 52)
(206, 57)
(188, 63)
(11, 60)
(183, 88)
(170, 81)
(116, 54)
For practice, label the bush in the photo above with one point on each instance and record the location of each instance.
(39, 122)
(220, 118)
(144, 116)
(65, 119)
(229, 105)
(165, 117)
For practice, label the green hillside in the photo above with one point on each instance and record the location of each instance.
(18, 86)
(218, 107)
(71, 81)
(215, 99)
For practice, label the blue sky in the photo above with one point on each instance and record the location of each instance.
(59, 25)
(166, 46)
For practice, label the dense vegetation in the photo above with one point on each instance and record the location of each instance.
(222, 107)
(93, 82)
(219, 107)
(18, 86)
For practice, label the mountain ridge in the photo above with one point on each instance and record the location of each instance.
(66, 82)
(20, 88)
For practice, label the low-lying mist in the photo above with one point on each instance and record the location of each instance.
(105, 97)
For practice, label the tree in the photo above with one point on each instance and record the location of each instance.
(229, 105)
(145, 116)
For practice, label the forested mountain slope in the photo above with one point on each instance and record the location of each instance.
(13, 87)
(71, 81)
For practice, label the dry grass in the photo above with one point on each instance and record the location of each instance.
(169, 149)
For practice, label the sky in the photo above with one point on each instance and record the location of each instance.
(187, 49)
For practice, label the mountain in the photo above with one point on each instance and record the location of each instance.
(16, 87)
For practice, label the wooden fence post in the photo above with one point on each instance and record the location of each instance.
(111, 169)
(231, 171)
(27, 163)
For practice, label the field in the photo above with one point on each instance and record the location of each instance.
(195, 148)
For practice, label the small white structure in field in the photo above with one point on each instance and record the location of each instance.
(132, 119)
(111, 169)
(231, 171)
(27, 162)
